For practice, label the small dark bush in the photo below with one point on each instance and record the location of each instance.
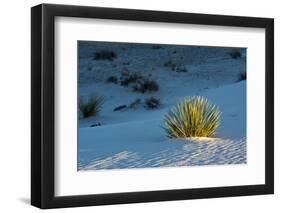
(146, 85)
(105, 55)
(170, 64)
(156, 47)
(175, 67)
(125, 82)
(180, 68)
(242, 76)
(112, 79)
(119, 108)
(96, 124)
(235, 54)
(133, 78)
(152, 103)
(91, 106)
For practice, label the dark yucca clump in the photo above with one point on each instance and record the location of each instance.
(152, 103)
(242, 76)
(112, 79)
(146, 85)
(170, 64)
(175, 67)
(91, 106)
(105, 55)
(235, 54)
(133, 78)
(156, 47)
(192, 117)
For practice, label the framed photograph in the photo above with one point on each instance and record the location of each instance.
(139, 106)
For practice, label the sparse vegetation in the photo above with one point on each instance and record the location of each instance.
(139, 83)
(192, 117)
(156, 47)
(242, 76)
(170, 64)
(175, 67)
(133, 78)
(180, 68)
(96, 124)
(235, 54)
(119, 108)
(105, 55)
(152, 103)
(112, 79)
(146, 85)
(91, 106)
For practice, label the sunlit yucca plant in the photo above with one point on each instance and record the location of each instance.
(91, 106)
(192, 117)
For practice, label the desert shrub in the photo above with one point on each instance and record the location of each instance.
(133, 78)
(175, 67)
(180, 68)
(235, 54)
(152, 103)
(96, 124)
(170, 64)
(192, 117)
(91, 106)
(112, 79)
(146, 85)
(156, 47)
(242, 76)
(120, 108)
(105, 55)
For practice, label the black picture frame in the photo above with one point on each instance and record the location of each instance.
(43, 111)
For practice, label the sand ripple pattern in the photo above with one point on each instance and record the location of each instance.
(196, 152)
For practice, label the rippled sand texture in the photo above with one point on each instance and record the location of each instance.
(187, 153)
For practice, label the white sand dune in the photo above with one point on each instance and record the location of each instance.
(142, 143)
